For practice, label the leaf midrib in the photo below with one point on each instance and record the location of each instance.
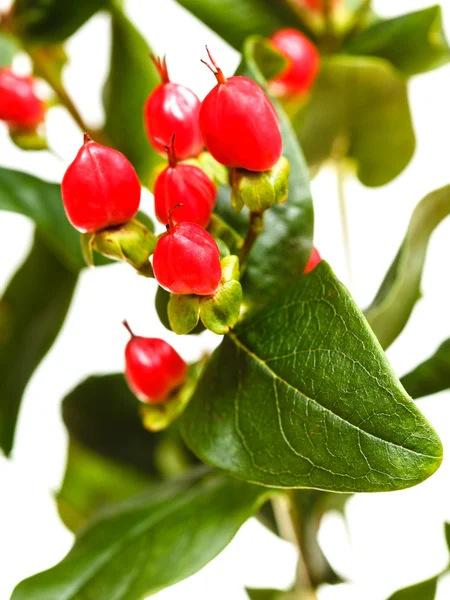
(275, 375)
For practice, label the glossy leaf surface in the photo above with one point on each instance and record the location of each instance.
(50, 21)
(413, 43)
(301, 395)
(32, 311)
(150, 542)
(335, 123)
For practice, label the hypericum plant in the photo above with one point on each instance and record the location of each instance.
(298, 406)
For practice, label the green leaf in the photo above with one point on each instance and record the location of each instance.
(32, 311)
(413, 43)
(131, 78)
(150, 542)
(50, 21)
(92, 482)
(400, 290)
(103, 415)
(335, 123)
(426, 590)
(447, 534)
(301, 395)
(41, 202)
(8, 47)
(260, 594)
(236, 20)
(431, 376)
(282, 250)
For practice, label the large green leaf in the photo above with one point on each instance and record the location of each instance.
(413, 43)
(92, 482)
(41, 202)
(359, 109)
(400, 290)
(302, 395)
(235, 20)
(149, 543)
(32, 311)
(431, 376)
(50, 21)
(426, 590)
(283, 248)
(131, 78)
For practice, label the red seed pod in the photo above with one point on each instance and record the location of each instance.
(187, 184)
(19, 105)
(153, 368)
(187, 260)
(303, 62)
(316, 5)
(239, 124)
(100, 188)
(313, 261)
(173, 109)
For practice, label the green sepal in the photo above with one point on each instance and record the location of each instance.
(27, 139)
(156, 417)
(230, 268)
(86, 240)
(259, 191)
(209, 165)
(220, 230)
(220, 312)
(132, 243)
(183, 312)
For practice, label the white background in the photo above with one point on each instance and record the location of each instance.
(392, 540)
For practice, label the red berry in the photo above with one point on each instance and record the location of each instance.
(100, 188)
(187, 260)
(173, 109)
(187, 184)
(239, 124)
(153, 368)
(19, 105)
(315, 5)
(303, 62)
(313, 261)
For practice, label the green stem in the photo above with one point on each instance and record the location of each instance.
(340, 172)
(289, 525)
(45, 70)
(255, 227)
(329, 41)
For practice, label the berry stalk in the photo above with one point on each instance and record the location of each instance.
(43, 69)
(256, 225)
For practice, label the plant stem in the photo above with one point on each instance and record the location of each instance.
(255, 227)
(340, 173)
(289, 526)
(44, 69)
(330, 41)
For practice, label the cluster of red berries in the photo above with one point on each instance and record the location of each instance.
(20, 106)
(239, 127)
